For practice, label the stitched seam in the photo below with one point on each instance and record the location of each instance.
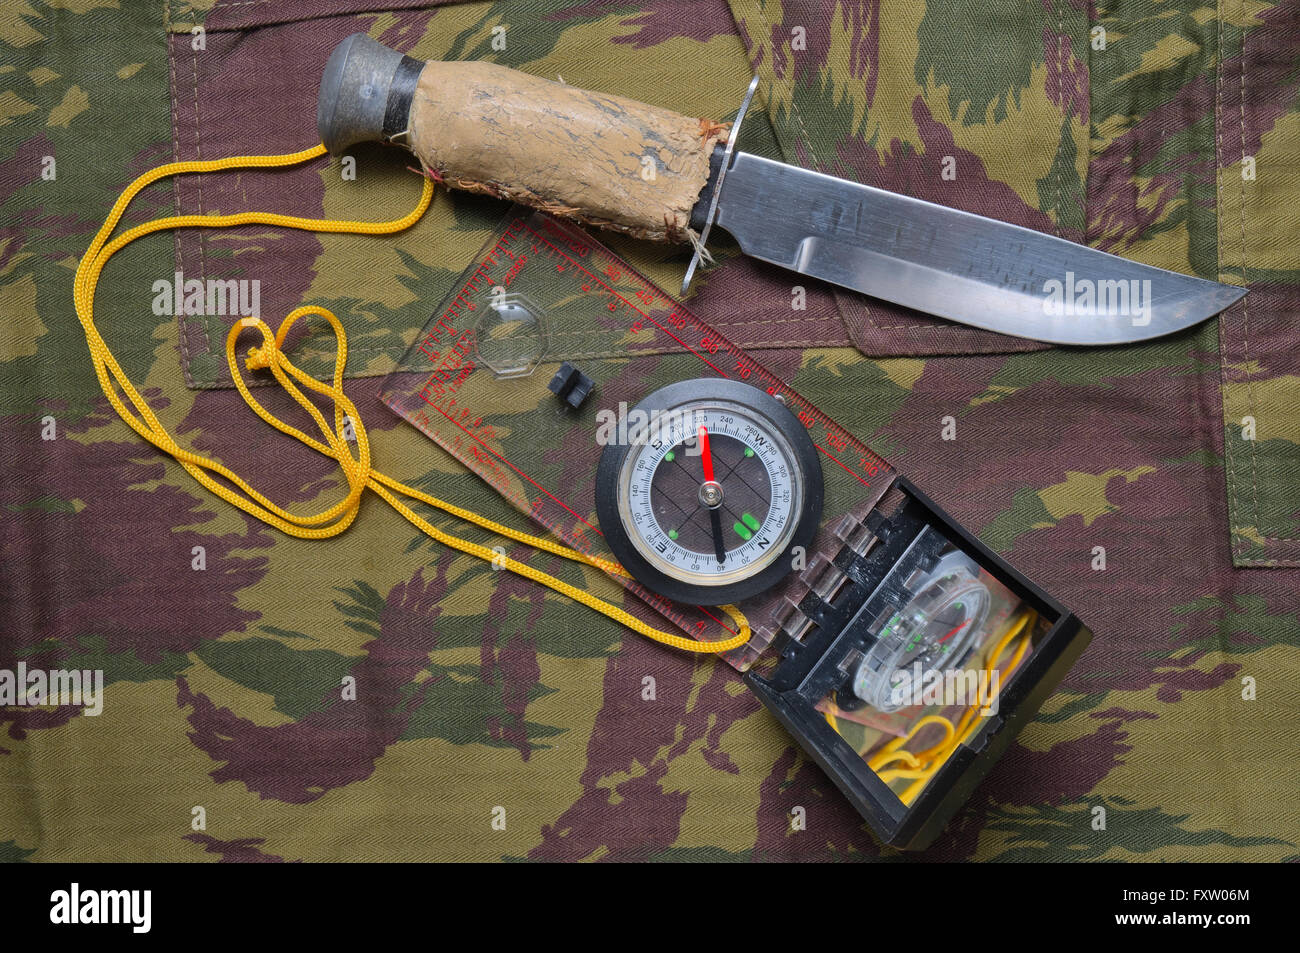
(767, 345)
(1059, 39)
(753, 322)
(397, 351)
(182, 332)
(198, 155)
(844, 321)
(936, 328)
(794, 110)
(312, 352)
(1225, 356)
(308, 352)
(1245, 309)
(1230, 451)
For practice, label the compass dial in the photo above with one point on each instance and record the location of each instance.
(705, 502)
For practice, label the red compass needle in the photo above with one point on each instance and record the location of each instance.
(705, 454)
(955, 629)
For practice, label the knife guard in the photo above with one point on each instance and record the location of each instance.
(600, 159)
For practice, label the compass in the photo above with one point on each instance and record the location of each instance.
(936, 630)
(709, 488)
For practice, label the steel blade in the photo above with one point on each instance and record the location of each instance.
(954, 264)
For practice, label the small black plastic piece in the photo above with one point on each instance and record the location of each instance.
(571, 385)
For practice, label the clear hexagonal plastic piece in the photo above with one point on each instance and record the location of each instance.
(511, 335)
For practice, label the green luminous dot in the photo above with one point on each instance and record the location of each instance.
(749, 521)
(670, 457)
(749, 452)
(741, 530)
(672, 534)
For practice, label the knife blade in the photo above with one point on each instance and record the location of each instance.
(954, 264)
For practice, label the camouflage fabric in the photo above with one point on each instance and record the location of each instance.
(376, 697)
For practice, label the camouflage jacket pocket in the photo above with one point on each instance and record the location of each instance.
(1193, 167)
(1257, 186)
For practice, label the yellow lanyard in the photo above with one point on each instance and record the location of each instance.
(360, 475)
(923, 765)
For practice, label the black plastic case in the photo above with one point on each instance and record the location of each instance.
(811, 667)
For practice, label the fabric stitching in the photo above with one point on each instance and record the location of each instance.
(798, 116)
(198, 155)
(770, 322)
(945, 328)
(566, 355)
(1227, 340)
(398, 350)
(181, 331)
(1225, 337)
(1060, 30)
(1245, 304)
(937, 328)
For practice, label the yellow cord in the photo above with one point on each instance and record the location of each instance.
(922, 765)
(360, 475)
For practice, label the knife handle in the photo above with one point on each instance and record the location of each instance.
(600, 159)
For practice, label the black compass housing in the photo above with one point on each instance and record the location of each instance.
(807, 519)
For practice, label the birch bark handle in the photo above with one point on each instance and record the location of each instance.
(601, 159)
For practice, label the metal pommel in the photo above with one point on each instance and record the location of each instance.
(365, 93)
